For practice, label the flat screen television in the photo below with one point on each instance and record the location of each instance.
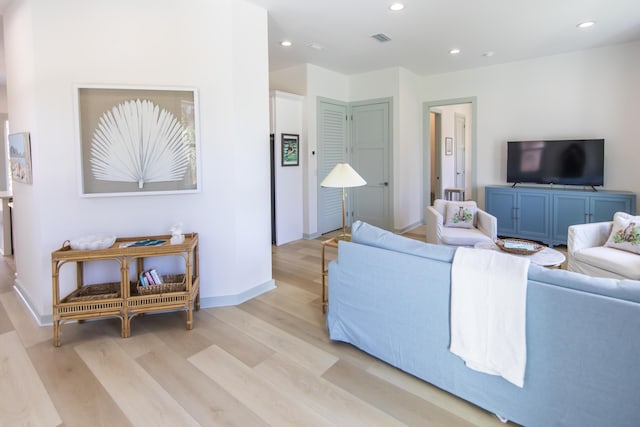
(568, 162)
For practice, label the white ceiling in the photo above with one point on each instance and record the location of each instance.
(424, 32)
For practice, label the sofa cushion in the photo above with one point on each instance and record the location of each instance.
(611, 259)
(625, 233)
(367, 234)
(461, 214)
(628, 290)
(463, 236)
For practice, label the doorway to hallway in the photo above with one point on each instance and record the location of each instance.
(449, 140)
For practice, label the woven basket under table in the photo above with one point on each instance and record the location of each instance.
(94, 292)
(171, 283)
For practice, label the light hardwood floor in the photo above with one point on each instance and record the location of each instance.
(268, 361)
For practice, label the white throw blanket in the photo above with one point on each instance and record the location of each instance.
(488, 312)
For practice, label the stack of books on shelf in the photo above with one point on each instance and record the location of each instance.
(150, 277)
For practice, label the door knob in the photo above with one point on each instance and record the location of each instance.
(386, 184)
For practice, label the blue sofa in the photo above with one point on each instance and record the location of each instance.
(389, 296)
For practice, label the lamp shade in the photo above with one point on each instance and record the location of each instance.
(343, 176)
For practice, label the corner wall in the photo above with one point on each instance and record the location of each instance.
(219, 48)
(396, 83)
(312, 82)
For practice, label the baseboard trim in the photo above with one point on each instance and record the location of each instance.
(209, 302)
(311, 236)
(227, 300)
(410, 227)
(41, 320)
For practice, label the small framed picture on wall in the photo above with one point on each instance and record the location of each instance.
(20, 157)
(290, 149)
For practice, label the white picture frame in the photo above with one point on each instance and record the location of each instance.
(448, 146)
(137, 141)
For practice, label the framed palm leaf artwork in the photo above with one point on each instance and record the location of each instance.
(137, 141)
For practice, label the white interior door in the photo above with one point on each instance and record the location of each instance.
(371, 147)
(332, 144)
(435, 136)
(460, 151)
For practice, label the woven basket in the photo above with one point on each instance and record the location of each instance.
(94, 292)
(536, 247)
(171, 283)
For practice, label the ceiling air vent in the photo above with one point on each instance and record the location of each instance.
(382, 38)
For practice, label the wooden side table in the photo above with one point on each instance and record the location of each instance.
(332, 243)
(117, 299)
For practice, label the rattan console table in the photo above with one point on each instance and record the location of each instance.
(124, 299)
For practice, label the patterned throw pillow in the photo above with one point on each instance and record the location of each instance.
(461, 214)
(625, 233)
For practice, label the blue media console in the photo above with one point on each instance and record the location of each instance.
(544, 214)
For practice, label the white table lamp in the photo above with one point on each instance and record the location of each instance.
(343, 176)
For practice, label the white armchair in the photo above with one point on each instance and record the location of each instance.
(587, 254)
(485, 227)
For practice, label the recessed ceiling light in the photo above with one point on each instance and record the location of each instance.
(586, 24)
(396, 7)
(488, 54)
(286, 43)
(454, 51)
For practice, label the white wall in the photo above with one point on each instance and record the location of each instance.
(374, 84)
(286, 114)
(3, 99)
(292, 80)
(220, 49)
(586, 94)
(408, 152)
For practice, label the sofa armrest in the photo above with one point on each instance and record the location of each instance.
(488, 224)
(435, 222)
(583, 236)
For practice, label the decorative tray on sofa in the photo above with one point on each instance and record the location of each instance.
(519, 247)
